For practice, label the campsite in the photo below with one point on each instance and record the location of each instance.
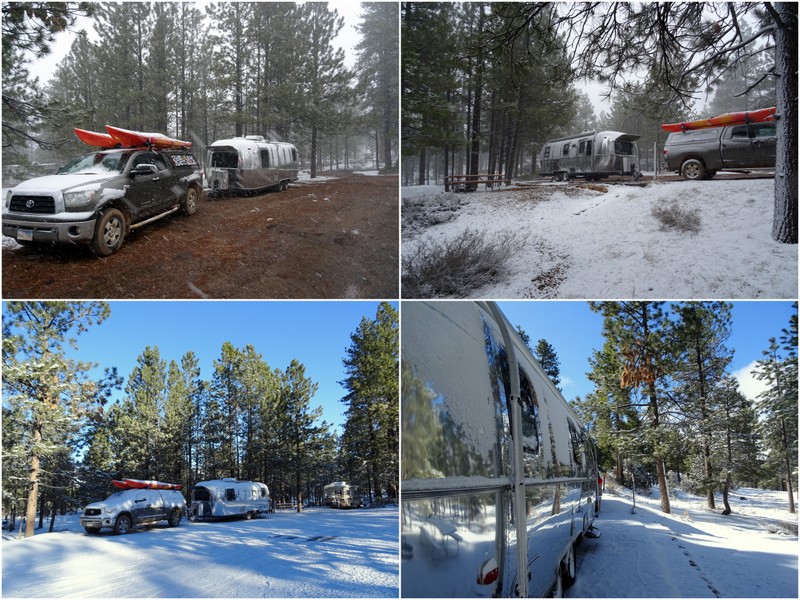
(320, 552)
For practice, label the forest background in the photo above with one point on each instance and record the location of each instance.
(67, 430)
(203, 72)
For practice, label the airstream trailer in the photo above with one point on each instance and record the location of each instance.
(499, 477)
(593, 155)
(249, 164)
(341, 494)
(229, 498)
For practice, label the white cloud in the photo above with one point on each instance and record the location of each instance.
(748, 384)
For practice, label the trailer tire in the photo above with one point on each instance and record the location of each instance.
(693, 169)
(569, 567)
(557, 591)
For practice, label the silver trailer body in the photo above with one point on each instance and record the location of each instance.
(229, 498)
(593, 155)
(499, 478)
(341, 494)
(249, 164)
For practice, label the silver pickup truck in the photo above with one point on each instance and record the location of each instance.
(700, 153)
(126, 508)
(98, 198)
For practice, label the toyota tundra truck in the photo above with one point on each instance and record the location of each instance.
(97, 199)
(124, 509)
(700, 153)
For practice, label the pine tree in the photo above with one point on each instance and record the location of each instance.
(548, 359)
(700, 362)
(377, 69)
(47, 391)
(371, 435)
(143, 420)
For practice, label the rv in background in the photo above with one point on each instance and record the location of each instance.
(250, 164)
(229, 498)
(341, 494)
(491, 454)
(594, 155)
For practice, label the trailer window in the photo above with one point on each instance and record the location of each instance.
(581, 147)
(623, 148)
(230, 494)
(531, 440)
(546, 152)
(225, 159)
(565, 150)
(589, 148)
(265, 159)
(294, 154)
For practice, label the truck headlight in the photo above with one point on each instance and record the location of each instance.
(7, 200)
(110, 510)
(78, 199)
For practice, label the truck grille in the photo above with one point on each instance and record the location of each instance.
(43, 205)
(92, 512)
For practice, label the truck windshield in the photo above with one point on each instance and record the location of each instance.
(100, 162)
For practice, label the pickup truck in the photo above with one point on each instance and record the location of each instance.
(700, 153)
(126, 508)
(99, 198)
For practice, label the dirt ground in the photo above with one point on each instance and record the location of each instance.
(336, 238)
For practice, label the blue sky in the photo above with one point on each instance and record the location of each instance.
(315, 333)
(575, 332)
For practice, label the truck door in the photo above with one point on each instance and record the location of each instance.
(147, 506)
(762, 136)
(152, 192)
(737, 151)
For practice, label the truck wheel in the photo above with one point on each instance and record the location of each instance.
(189, 204)
(693, 169)
(174, 518)
(122, 525)
(109, 232)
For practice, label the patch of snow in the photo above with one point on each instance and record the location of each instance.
(582, 243)
(320, 552)
(692, 552)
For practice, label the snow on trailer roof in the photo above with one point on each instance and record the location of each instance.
(245, 143)
(615, 134)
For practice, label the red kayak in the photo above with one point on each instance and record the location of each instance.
(153, 485)
(734, 118)
(120, 484)
(133, 139)
(100, 140)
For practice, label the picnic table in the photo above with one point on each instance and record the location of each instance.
(461, 183)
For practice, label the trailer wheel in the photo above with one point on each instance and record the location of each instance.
(693, 169)
(569, 567)
(557, 590)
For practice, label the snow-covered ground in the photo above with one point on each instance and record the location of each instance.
(693, 552)
(320, 552)
(580, 243)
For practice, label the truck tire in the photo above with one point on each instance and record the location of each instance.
(174, 518)
(189, 204)
(122, 525)
(693, 169)
(109, 233)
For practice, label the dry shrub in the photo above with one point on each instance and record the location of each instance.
(677, 217)
(452, 268)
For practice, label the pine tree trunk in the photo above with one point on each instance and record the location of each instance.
(33, 481)
(784, 224)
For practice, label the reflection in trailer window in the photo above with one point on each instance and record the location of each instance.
(623, 148)
(576, 438)
(565, 150)
(531, 438)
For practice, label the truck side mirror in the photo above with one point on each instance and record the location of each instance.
(144, 169)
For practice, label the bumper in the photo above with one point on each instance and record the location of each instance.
(37, 231)
(97, 522)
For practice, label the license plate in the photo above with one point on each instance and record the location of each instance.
(25, 235)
